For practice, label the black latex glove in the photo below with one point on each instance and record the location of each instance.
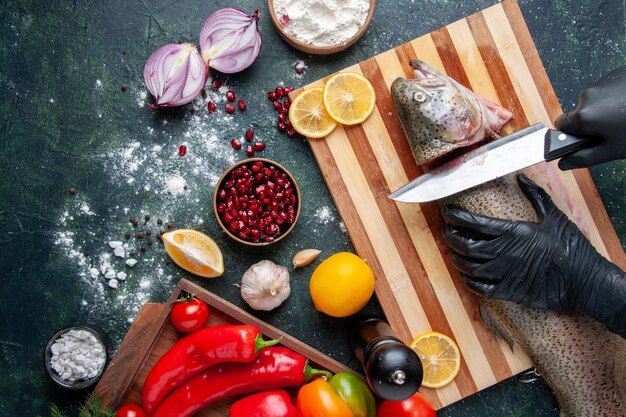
(546, 265)
(601, 116)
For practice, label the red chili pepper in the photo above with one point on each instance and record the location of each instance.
(197, 352)
(274, 368)
(265, 404)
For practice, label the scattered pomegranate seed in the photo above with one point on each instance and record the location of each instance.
(230, 96)
(249, 135)
(211, 106)
(229, 108)
(235, 144)
(278, 105)
(182, 150)
(271, 95)
(287, 104)
(282, 118)
(249, 150)
(242, 106)
(281, 127)
(282, 111)
(259, 146)
(284, 20)
(291, 132)
(217, 84)
(288, 90)
(280, 92)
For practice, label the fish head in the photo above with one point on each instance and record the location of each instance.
(438, 114)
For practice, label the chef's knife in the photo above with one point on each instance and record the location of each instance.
(512, 153)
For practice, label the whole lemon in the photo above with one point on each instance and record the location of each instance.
(341, 285)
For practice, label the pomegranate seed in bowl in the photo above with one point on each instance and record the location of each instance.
(257, 201)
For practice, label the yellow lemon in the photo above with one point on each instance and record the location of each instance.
(308, 115)
(440, 356)
(349, 98)
(195, 252)
(341, 285)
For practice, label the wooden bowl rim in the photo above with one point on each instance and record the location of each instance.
(246, 161)
(320, 50)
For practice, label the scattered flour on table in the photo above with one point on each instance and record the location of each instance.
(145, 176)
(321, 22)
(324, 215)
(176, 184)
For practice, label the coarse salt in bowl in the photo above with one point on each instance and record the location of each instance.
(321, 27)
(75, 357)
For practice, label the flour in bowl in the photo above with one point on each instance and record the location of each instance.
(321, 22)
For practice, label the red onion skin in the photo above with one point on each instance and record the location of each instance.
(175, 74)
(230, 40)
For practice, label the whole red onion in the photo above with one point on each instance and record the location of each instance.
(229, 40)
(175, 74)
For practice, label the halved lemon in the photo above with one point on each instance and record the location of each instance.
(440, 356)
(349, 98)
(195, 252)
(308, 115)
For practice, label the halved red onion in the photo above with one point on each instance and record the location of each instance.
(230, 40)
(175, 74)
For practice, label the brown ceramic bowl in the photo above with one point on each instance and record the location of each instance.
(319, 50)
(220, 202)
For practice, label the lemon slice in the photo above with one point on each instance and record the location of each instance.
(195, 252)
(308, 116)
(349, 98)
(440, 358)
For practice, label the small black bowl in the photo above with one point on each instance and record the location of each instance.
(85, 383)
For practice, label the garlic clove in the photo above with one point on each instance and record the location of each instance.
(305, 257)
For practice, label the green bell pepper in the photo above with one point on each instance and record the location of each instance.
(355, 393)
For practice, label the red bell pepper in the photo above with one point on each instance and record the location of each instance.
(275, 367)
(197, 352)
(265, 404)
(414, 406)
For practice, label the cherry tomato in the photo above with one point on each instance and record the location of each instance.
(130, 410)
(414, 406)
(189, 314)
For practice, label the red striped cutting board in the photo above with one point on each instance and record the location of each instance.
(493, 54)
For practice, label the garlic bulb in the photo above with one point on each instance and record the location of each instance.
(265, 285)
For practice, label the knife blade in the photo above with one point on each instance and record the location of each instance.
(512, 153)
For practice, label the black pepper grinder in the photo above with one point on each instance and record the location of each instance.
(393, 369)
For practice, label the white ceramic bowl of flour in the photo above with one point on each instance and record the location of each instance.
(321, 27)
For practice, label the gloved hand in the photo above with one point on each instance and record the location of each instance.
(545, 265)
(600, 115)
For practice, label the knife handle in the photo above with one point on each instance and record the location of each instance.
(559, 144)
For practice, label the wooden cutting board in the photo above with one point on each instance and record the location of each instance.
(152, 334)
(493, 54)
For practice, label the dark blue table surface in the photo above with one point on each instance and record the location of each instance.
(66, 122)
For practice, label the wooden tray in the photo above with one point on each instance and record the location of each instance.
(493, 54)
(152, 334)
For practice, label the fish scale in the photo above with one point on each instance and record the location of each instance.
(583, 363)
